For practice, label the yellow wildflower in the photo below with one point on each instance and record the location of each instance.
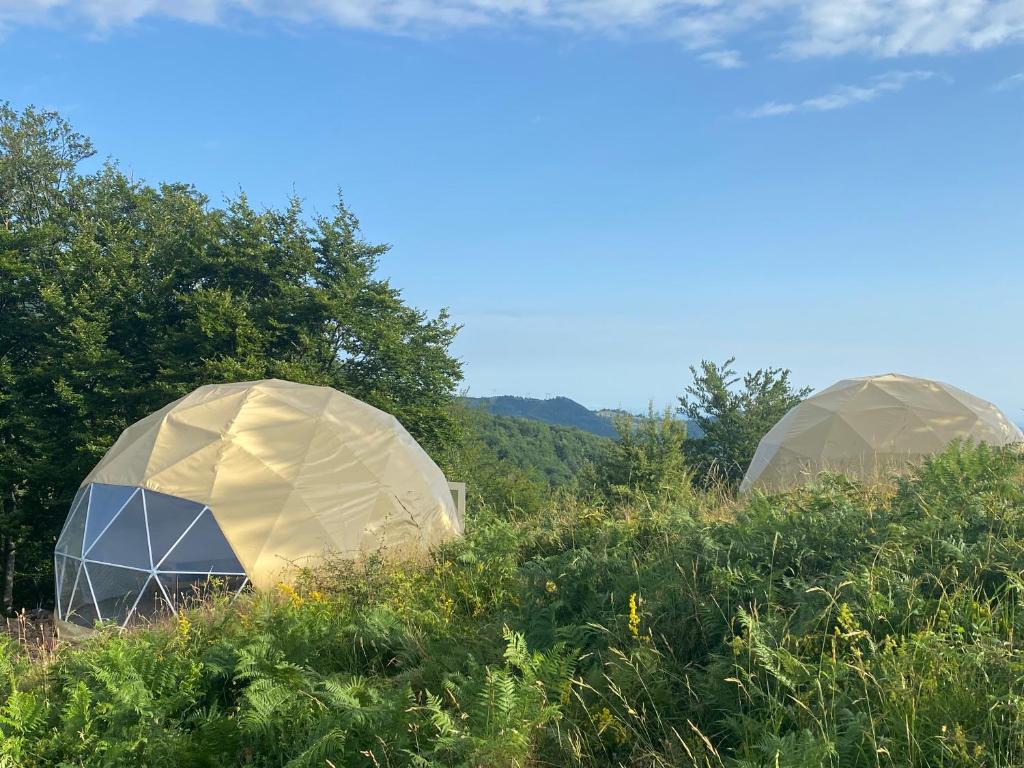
(289, 591)
(634, 617)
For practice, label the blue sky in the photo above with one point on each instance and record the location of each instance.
(603, 191)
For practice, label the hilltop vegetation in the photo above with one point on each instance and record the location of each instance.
(552, 455)
(836, 625)
(555, 411)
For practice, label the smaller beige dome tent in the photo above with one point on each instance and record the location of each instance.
(869, 427)
(242, 482)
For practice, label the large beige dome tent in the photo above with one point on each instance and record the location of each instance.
(869, 427)
(243, 482)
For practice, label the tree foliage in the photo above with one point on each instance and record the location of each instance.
(733, 412)
(515, 464)
(647, 460)
(553, 453)
(117, 297)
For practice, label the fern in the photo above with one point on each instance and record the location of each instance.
(834, 625)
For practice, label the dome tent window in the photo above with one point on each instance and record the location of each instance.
(869, 427)
(239, 483)
(121, 543)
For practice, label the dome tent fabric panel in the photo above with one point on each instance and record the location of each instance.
(872, 426)
(289, 472)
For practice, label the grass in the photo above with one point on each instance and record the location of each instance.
(835, 625)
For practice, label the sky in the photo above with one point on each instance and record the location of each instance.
(603, 192)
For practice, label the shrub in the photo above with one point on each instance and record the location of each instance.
(834, 625)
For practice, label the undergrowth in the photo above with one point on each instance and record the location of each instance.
(832, 626)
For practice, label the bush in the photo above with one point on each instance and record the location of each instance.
(834, 625)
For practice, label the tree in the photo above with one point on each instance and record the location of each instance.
(647, 460)
(39, 152)
(118, 297)
(732, 418)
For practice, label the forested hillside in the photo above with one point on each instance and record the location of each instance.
(553, 454)
(557, 411)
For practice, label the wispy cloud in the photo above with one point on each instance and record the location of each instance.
(724, 59)
(1010, 83)
(713, 28)
(843, 96)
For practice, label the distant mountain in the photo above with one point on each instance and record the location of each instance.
(557, 411)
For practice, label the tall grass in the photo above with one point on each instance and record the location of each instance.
(832, 626)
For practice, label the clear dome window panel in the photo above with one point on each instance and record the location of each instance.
(80, 495)
(105, 502)
(65, 569)
(58, 577)
(67, 584)
(116, 590)
(81, 608)
(189, 589)
(169, 517)
(124, 542)
(152, 603)
(203, 549)
(70, 541)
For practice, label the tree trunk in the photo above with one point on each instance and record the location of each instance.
(9, 575)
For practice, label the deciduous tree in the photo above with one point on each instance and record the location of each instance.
(118, 297)
(733, 412)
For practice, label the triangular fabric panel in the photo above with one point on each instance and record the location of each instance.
(124, 542)
(125, 463)
(843, 441)
(881, 425)
(172, 451)
(213, 414)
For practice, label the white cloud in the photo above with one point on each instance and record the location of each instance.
(1010, 83)
(724, 59)
(843, 96)
(773, 109)
(798, 28)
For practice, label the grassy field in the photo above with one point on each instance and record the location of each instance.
(835, 626)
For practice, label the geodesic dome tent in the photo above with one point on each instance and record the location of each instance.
(869, 427)
(240, 483)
